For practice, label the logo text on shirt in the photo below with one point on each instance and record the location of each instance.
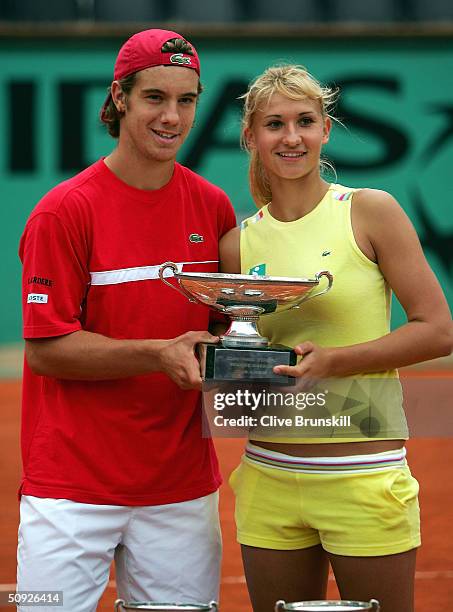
(39, 280)
(37, 298)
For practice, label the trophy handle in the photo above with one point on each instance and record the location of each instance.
(169, 265)
(214, 606)
(280, 605)
(118, 604)
(374, 605)
(310, 296)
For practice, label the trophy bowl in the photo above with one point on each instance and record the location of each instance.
(327, 606)
(244, 297)
(243, 353)
(120, 604)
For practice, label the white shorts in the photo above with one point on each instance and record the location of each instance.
(167, 553)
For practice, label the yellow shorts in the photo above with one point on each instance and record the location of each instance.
(370, 513)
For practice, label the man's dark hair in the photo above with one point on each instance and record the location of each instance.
(177, 45)
(111, 116)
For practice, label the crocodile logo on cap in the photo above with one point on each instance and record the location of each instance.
(178, 58)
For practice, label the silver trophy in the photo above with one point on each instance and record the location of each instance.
(243, 353)
(120, 605)
(327, 606)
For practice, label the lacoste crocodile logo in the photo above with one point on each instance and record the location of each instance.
(178, 58)
(196, 238)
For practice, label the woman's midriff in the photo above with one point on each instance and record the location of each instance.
(341, 449)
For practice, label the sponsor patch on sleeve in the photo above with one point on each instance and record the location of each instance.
(37, 298)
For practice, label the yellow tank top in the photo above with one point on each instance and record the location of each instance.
(355, 310)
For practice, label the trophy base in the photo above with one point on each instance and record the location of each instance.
(245, 364)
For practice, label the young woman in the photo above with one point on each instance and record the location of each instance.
(351, 501)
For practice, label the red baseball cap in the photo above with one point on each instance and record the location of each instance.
(152, 48)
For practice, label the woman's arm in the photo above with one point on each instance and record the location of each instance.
(229, 252)
(384, 233)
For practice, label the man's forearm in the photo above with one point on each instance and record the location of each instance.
(85, 355)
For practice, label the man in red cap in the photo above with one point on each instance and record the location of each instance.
(115, 465)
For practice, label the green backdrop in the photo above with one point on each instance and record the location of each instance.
(396, 104)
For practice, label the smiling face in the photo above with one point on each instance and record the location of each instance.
(288, 135)
(158, 112)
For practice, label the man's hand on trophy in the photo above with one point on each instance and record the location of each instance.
(177, 358)
(316, 364)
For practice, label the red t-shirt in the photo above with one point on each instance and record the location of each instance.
(90, 251)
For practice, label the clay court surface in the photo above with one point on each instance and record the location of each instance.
(431, 461)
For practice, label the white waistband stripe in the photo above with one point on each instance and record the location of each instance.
(391, 455)
(350, 464)
(129, 275)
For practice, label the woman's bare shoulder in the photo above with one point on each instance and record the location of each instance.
(229, 251)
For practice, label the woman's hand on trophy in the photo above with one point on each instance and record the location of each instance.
(316, 364)
(178, 360)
